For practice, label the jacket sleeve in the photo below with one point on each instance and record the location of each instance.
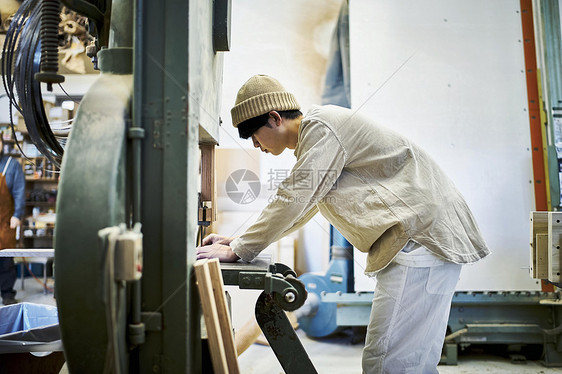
(320, 160)
(18, 188)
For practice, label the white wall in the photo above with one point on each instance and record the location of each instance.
(462, 97)
(288, 40)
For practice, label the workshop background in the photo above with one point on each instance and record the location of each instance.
(456, 86)
(450, 75)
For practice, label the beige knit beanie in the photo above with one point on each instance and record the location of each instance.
(259, 95)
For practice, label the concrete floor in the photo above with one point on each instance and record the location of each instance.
(336, 355)
(339, 355)
(33, 291)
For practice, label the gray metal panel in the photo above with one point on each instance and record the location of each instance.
(177, 83)
(147, 105)
(168, 187)
(205, 72)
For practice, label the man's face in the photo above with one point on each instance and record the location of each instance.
(270, 138)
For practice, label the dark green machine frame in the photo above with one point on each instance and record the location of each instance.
(132, 166)
(133, 157)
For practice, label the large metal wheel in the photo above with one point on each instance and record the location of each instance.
(91, 197)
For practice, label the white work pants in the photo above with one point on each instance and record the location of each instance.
(409, 318)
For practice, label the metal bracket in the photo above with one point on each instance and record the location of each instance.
(278, 268)
(152, 321)
(281, 336)
(136, 333)
(135, 133)
(282, 292)
(289, 293)
(157, 134)
(221, 25)
(277, 280)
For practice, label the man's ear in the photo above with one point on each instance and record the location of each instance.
(276, 117)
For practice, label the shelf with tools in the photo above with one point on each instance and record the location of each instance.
(41, 175)
(41, 187)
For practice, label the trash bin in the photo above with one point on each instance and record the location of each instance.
(30, 340)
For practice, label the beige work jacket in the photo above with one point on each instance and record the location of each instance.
(372, 184)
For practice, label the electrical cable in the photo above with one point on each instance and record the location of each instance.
(70, 97)
(22, 59)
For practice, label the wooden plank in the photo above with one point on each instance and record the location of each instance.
(539, 225)
(207, 172)
(554, 243)
(542, 256)
(208, 182)
(217, 319)
(211, 315)
(224, 317)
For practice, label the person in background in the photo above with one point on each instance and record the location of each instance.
(385, 195)
(12, 202)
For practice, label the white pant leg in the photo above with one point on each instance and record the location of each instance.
(409, 318)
